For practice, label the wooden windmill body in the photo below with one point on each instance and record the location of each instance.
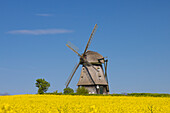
(93, 76)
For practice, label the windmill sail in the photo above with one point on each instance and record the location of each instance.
(73, 50)
(72, 74)
(73, 46)
(91, 37)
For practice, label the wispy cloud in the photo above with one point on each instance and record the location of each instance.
(43, 14)
(40, 31)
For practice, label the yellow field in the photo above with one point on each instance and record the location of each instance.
(82, 104)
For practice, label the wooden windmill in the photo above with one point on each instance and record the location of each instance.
(93, 76)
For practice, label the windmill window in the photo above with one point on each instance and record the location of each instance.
(84, 70)
(81, 79)
(100, 77)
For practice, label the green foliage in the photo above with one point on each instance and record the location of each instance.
(148, 94)
(82, 91)
(59, 93)
(55, 91)
(142, 95)
(68, 91)
(42, 85)
(40, 91)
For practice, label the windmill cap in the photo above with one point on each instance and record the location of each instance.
(94, 57)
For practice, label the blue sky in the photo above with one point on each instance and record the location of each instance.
(134, 34)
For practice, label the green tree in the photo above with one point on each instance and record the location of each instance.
(82, 91)
(68, 90)
(42, 85)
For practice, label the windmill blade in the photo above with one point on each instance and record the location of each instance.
(91, 37)
(72, 46)
(73, 49)
(72, 74)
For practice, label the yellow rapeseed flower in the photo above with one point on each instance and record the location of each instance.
(83, 104)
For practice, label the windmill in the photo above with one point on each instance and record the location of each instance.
(93, 76)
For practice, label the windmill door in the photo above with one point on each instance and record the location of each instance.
(101, 89)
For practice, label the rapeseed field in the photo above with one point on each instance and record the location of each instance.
(83, 104)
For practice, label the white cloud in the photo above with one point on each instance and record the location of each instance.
(44, 14)
(40, 31)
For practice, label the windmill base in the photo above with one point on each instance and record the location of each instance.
(99, 89)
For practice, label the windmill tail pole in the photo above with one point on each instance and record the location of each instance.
(105, 64)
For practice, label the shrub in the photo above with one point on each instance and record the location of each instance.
(82, 91)
(55, 91)
(68, 90)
